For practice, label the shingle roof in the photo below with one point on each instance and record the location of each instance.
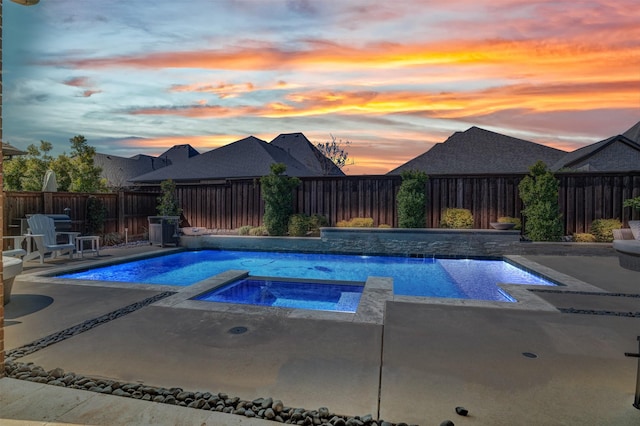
(118, 170)
(299, 147)
(621, 156)
(633, 133)
(479, 151)
(178, 153)
(248, 157)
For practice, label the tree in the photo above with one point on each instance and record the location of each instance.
(411, 199)
(75, 173)
(85, 175)
(335, 152)
(26, 173)
(277, 193)
(168, 202)
(539, 193)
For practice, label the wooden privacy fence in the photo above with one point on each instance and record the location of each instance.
(583, 197)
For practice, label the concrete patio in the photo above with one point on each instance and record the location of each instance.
(426, 359)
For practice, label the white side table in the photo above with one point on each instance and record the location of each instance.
(95, 244)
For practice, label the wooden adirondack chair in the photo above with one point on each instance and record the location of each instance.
(43, 232)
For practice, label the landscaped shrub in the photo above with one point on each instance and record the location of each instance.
(316, 222)
(384, 225)
(277, 193)
(411, 199)
(168, 202)
(244, 230)
(299, 225)
(584, 238)
(514, 220)
(356, 222)
(457, 219)
(539, 193)
(112, 239)
(634, 203)
(258, 231)
(96, 214)
(601, 229)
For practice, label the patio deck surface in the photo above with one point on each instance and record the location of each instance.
(426, 359)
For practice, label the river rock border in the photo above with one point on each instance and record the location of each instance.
(263, 408)
(630, 314)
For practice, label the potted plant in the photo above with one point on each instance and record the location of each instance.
(163, 229)
(634, 203)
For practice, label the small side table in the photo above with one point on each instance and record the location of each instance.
(95, 244)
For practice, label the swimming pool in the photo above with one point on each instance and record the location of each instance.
(426, 277)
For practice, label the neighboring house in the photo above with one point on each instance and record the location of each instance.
(620, 153)
(179, 153)
(298, 146)
(248, 157)
(479, 151)
(118, 170)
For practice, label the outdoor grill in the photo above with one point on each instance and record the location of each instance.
(62, 222)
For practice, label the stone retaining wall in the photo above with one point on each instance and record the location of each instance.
(405, 242)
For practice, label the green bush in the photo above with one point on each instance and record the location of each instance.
(277, 193)
(384, 225)
(258, 231)
(634, 203)
(299, 225)
(168, 202)
(601, 229)
(316, 222)
(411, 199)
(356, 222)
(584, 238)
(244, 230)
(112, 239)
(539, 193)
(96, 215)
(457, 219)
(514, 220)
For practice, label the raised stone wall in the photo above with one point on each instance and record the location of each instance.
(406, 242)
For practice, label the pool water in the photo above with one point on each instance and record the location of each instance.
(287, 294)
(428, 277)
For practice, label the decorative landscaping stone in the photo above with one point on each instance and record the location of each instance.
(264, 408)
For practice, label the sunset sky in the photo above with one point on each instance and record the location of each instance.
(392, 77)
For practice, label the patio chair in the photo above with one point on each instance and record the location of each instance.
(622, 234)
(43, 232)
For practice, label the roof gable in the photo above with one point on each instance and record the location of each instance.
(480, 151)
(299, 147)
(179, 153)
(622, 154)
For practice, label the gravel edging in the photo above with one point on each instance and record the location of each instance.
(261, 408)
(59, 336)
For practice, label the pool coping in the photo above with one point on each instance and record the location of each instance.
(376, 293)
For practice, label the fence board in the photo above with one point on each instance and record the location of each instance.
(583, 197)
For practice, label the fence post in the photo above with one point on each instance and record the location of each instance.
(120, 212)
(47, 202)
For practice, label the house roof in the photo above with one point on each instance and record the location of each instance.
(633, 133)
(299, 147)
(118, 170)
(624, 144)
(248, 157)
(178, 153)
(480, 151)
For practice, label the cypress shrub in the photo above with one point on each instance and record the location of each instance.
(411, 199)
